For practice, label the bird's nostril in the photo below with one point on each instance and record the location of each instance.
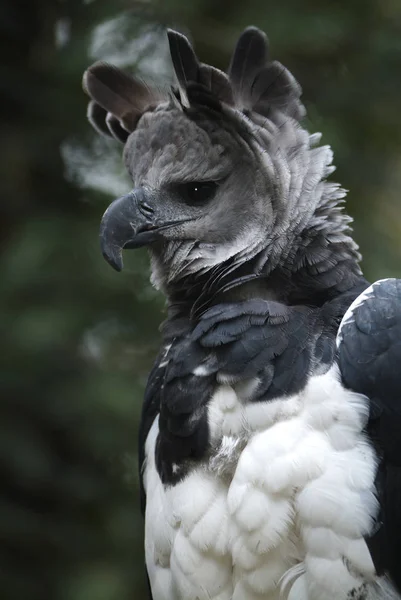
(145, 209)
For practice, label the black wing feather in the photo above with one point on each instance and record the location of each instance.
(369, 357)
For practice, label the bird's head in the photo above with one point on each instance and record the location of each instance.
(223, 173)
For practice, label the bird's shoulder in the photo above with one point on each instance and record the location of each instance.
(369, 344)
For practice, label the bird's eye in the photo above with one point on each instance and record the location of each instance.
(195, 193)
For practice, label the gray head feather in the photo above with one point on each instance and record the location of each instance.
(272, 210)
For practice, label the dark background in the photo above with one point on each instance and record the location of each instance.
(77, 339)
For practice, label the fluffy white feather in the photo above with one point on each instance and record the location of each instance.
(278, 511)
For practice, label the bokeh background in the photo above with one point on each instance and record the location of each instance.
(77, 339)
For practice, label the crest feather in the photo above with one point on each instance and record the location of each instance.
(97, 118)
(253, 84)
(274, 86)
(119, 94)
(190, 71)
(260, 85)
(117, 131)
(217, 82)
(248, 59)
(185, 62)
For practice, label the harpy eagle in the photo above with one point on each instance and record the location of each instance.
(270, 441)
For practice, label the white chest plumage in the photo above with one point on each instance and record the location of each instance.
(280, 508)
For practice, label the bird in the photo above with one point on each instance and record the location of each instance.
(270, 436)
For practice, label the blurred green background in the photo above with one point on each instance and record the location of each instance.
(77, 338)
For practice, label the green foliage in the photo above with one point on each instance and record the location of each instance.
(77, 338)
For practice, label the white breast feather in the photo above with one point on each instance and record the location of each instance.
(279, 511)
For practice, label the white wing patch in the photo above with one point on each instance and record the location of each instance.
(279, 511)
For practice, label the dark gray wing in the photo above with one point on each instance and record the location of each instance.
(369, 354)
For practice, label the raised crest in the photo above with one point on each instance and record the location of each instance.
(253, 84)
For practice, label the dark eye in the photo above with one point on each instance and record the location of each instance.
(197, 192)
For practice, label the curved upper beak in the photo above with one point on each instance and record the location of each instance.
(129, 222)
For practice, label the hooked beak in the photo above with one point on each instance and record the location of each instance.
(125, 225)
(129, 222)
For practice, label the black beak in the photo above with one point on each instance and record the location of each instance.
(127, 223)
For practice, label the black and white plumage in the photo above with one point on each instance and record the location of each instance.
(269, 448)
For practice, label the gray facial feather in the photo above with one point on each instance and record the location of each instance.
(273, 189)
